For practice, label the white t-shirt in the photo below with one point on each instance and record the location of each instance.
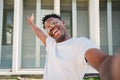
(66, 60)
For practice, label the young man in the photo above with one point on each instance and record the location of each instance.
(67, 57)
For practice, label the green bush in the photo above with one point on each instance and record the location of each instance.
(97, 78)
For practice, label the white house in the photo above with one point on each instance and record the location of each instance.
(21, 52)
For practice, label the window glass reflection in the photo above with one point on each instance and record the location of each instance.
(103, 26)
(82, 18)
(7, 35)
(28, 37)
(116, 24)
(47, 4)
(66, 14)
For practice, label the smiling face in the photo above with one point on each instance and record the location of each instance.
(56, 29)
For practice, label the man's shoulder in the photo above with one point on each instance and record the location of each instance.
(82, 39)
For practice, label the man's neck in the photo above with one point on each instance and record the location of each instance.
(66, 37)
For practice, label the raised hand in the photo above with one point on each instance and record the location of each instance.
(30, 20)
(36, 30)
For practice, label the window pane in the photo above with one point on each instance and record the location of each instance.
(28, 37)
(42, 56)
(7, 35)
(47, 4)
(103, 26)
(116, 24)
(66, 14)
(82, 18)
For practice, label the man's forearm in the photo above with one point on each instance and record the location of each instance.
(36, 30)
(39, 33)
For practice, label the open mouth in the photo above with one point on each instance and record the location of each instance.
(54, 31)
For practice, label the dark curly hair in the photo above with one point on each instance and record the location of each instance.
(48, 16)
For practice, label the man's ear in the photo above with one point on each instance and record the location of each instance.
(63, 22)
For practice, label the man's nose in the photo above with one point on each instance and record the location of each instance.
(52, 25)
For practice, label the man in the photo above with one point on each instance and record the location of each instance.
(67, 57)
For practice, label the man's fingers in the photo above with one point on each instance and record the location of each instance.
(30, 19)
(32, 16)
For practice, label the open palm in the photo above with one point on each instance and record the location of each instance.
(30, 20)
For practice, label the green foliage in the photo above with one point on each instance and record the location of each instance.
(96, 78)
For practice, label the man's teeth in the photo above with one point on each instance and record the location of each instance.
(55, 31)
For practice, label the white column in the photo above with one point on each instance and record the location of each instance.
(37, 58)
(1, 25)
(57, 6)
(18, 14)
(94, 21)
(74, 18)
(109, 25)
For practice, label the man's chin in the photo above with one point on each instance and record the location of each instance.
(58, 39)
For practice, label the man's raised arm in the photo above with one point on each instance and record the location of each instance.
(103, 63)
(42, 36)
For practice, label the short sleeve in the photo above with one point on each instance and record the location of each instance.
(86, 44)
(49, 42)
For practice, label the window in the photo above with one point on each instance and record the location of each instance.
(7, 35)
(109, 25)
(103, 26)
(28, 37)
(66, 14)
(82, 18)
(33, 52)
(116, 24)
(47, 4)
